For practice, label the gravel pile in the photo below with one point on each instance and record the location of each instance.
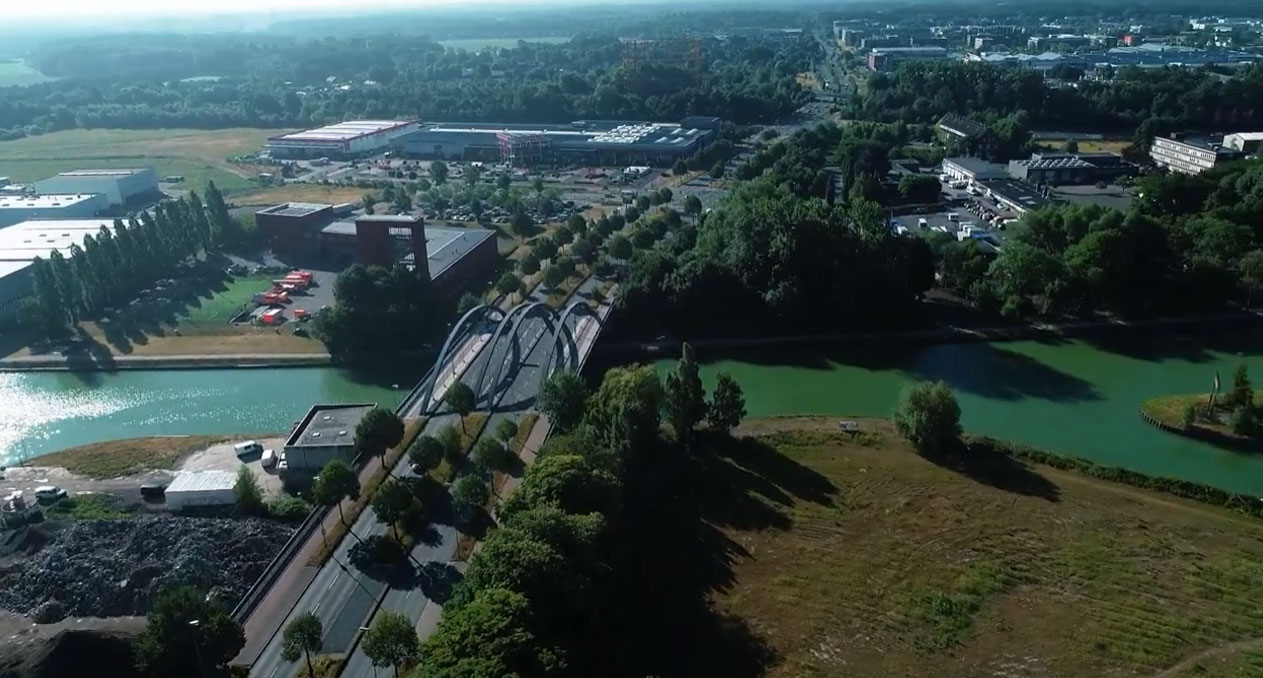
(108, 568)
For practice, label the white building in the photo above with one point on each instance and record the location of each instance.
(973, 170)
(203, 488)
(1188, 156)
(21, 243)
(119, 185)
(18, 208)
(343, 140)
(1246, 142)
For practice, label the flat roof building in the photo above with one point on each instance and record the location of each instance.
(202, 488)
(592, 142)
(18, 208)
(120, 186)
(326, 433)
(1015, 195)
(343, 140)
(1070, 168)
(1245, 142)
(972, 169)
(1190, 156)
(887, 58)
(21, 243)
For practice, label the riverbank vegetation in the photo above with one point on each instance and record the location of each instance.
(1231, 418)
(119, 458)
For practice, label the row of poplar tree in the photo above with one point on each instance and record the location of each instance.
(113, 265)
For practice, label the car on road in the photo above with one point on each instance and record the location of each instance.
(49, 493)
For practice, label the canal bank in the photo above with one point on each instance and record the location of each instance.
(1073, 397)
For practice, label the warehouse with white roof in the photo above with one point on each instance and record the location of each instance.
(18, 208)
(120, 186)
(21, 243)
(349, 139)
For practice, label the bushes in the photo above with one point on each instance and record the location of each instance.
(1187, 489)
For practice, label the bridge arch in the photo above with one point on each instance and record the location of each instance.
(471, 317)
(565, 337)
(527, 310)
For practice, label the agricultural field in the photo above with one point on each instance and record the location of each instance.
(198, 155)
(475, 44)
(837, 556)
(316, 193)
(17, 72)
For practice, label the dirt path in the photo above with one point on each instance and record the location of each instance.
(1213, 653)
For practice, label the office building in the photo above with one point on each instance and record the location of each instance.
(888, 58)
(18, 208)
(349, 139)
(122, 187)
(1190, 156)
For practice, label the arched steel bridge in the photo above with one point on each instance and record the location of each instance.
(505, 350)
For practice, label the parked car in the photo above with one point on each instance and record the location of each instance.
(247, 448)
(49, 493)
(268, 460)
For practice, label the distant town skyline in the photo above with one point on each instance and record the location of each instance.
(70, 10)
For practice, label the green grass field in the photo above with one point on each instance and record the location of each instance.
(17, 72)
(475, 44)
(198, 155)
(855, 556)
(224, 305)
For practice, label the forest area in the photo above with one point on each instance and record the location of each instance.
(212, 82)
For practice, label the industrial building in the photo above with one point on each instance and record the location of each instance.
(202, 488)
(21, 243)
(120, 186)
(18, 208)
(351, 139)
(586, 142)
(453, 255)
(1015, 195)
(326, 433)
(1148, 55)
(1245, 142)
(972, 169)
(1070, 168)
(1190, 156)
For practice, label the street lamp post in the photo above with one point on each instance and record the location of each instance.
(197, 648)
(364, 629)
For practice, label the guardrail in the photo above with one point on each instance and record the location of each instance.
(255, 593)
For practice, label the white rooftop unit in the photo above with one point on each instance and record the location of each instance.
(203, 488)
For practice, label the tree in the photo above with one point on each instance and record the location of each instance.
(491, 636)
(625, 411)
(679, 168)
(1071, 146)
(403, 202)
(461, 400)
(665, 195)
(379, 430)
(928, 416)
(470, 494)
(544, 248)
(508, 283)
(577, 224)
(562, 235)
(391, 502)
(453, 447)
(1251, 268)
(632, 213)
(563, 397)
(506, 430)
(554, 275)
(303, 635)
(717, 170)
(1242, 391)
(693, 206)
(522, 223)
(425, 453)
(492, 454)
(1243, 421)
(503, 181)
(184, 630)
(52, 309)
(643, 203)
(468, 301)
(684, 396)
(537, 184)
(619, 247)
(573, 483)
(248, 494)
(367, 202)
(727, 403)
(335, 482)
(391, 640)
(529, 264)
(438, 172)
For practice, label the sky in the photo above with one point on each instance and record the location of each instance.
(46, 10)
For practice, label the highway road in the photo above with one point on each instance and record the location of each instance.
(344, 594)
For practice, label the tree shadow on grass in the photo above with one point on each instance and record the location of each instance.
(653, 615)
(999, 471)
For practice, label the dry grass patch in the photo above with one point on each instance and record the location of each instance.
(322, 666)
(119, 458)
(316, 193)
(907, 567)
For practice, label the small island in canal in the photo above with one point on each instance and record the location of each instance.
(1228, 418)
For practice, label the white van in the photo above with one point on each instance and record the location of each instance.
(953, 216)
(268, 460)
(922, 222)
(247, 448)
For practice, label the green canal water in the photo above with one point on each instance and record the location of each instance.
(1073, 397)
(43, 412)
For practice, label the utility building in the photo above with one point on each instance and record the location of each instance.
(325, 434)
(120, 186)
